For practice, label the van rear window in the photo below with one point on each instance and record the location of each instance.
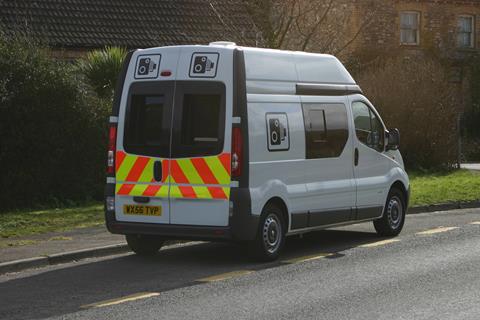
(148, 120)
(145, 133)
(199, 119)
(197, 125)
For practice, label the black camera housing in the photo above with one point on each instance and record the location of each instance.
(145, 66)
(201, 64)
(276, 134)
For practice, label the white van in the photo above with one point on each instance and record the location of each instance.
(222, 142)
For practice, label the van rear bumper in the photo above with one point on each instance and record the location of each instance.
(242, 226)
(237, 231)
(171, 231)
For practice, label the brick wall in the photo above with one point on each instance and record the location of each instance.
(438, 26)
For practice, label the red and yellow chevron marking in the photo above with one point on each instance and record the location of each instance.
(197, 178)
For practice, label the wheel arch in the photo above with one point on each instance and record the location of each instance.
(401, 186)
(279, 202)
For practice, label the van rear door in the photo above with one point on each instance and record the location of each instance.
(142, 165)
(200, 162)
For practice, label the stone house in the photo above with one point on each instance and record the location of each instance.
(449, 29)
(422, 24)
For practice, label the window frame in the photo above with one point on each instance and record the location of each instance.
(418, 15)
(173, 92)
(196, 87)
(472, 32)
(371, 110)
(147, 88)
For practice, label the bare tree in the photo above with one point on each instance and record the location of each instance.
(318, 25)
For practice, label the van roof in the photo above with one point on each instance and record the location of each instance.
(280, 71)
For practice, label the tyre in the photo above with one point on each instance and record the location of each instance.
(270, 236)
(144, 245)
(393, 217)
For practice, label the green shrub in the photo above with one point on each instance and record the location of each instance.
(101, 69)
(414, 95)
(52, 132)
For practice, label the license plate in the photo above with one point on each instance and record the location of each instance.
(142, 210)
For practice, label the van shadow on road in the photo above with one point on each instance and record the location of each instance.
(64, 290)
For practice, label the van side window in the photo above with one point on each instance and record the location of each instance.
(326, 129)
(368, 127)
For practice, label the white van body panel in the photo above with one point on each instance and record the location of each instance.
(277, 72)
(275, 173)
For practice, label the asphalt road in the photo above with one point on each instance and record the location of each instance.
(346, 273)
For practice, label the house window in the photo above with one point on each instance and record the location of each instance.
(409, 28)
(465, 32)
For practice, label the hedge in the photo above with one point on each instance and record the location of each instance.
(52, 130)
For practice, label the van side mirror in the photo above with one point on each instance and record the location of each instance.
(393, 139)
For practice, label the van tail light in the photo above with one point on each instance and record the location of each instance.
(112, 148)
(237, 152)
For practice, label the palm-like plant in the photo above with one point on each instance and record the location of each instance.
(101, 69)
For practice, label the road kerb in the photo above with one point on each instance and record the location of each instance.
(63, 257)
(87, 253)
(444, 206)
(22, 264)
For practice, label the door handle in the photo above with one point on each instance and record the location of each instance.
(157, 171)
(356, 157)
(141, 199)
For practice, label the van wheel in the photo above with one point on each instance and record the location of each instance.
(144, 245)
(270, 236)
(393, 217)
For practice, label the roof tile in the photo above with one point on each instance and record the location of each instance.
(129, 23)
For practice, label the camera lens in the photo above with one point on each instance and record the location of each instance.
(147, 60)
(204, 59)
(276, 123)
(142, 69)
(274, 137)
(198, 67)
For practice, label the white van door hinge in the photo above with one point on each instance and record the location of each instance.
(236, 120)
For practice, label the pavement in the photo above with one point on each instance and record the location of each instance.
(56, 242)
(470, 166)
(430, 271)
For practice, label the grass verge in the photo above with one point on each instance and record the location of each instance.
(427, 188)
(444, 187)
(24, 223)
